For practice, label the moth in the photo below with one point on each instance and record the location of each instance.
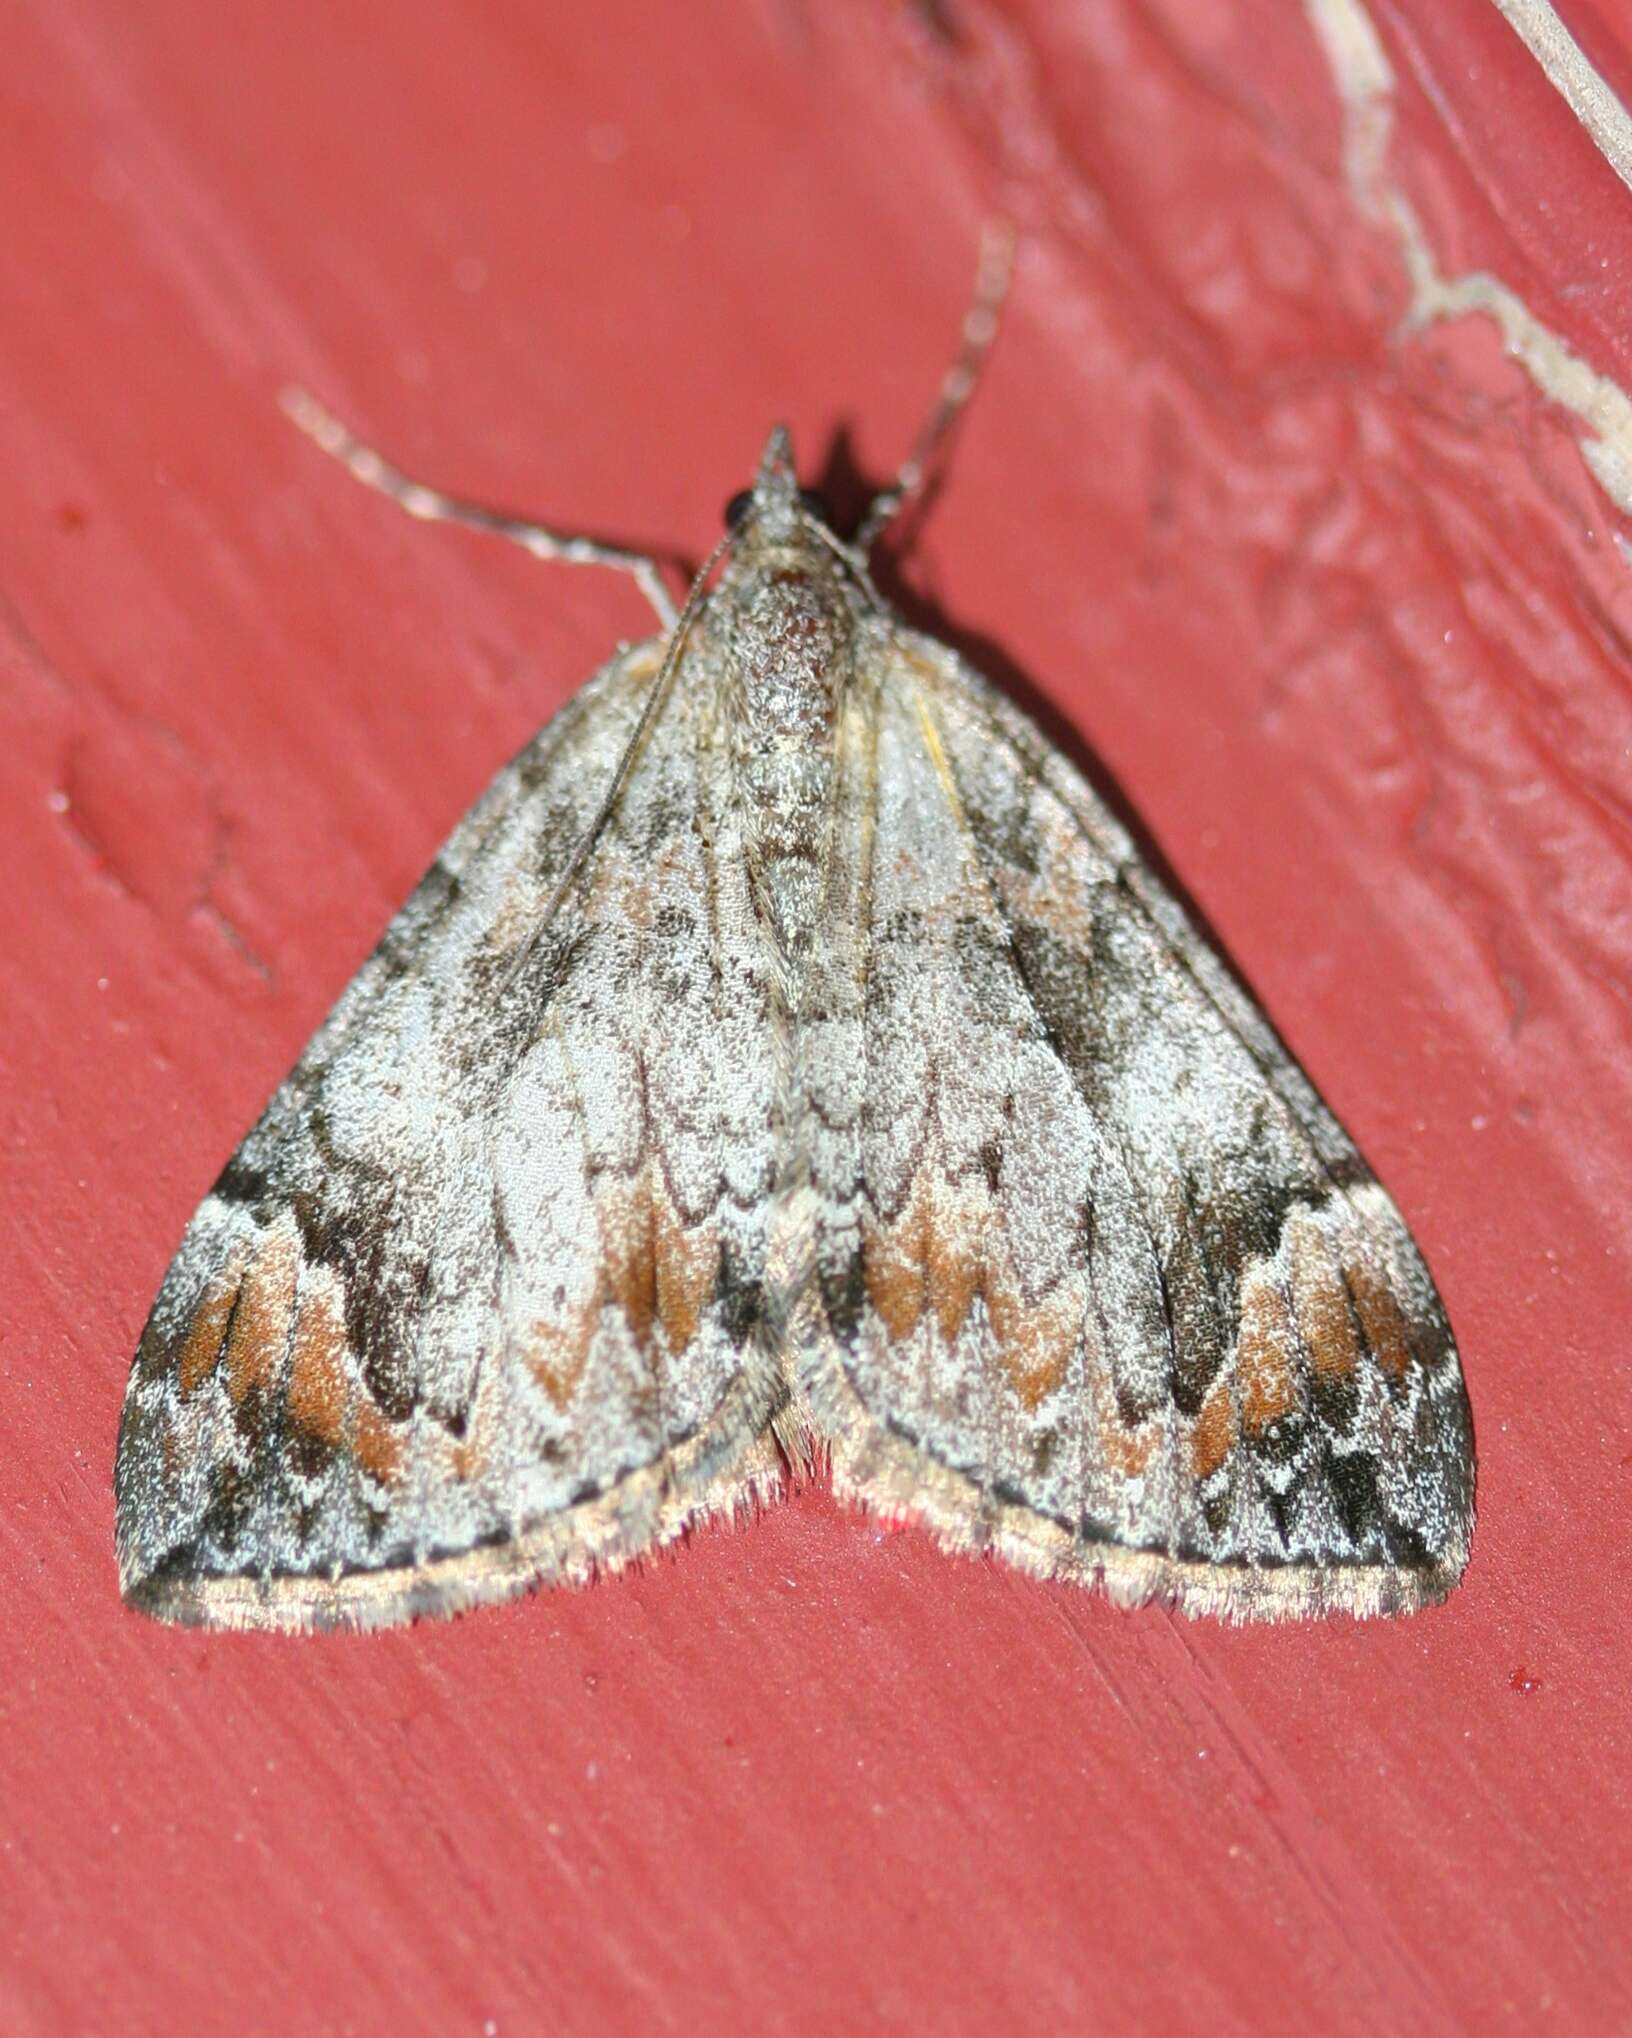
(787, 1058)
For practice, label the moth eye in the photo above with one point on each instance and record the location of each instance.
(740, 504)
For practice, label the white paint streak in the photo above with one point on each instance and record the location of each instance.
(1592, 102)
(1365, 82)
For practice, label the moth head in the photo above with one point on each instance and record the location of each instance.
(782, 601)
(776, 506)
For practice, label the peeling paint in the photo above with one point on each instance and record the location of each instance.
(1365, 81)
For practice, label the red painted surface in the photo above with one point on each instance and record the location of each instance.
(1343, 615)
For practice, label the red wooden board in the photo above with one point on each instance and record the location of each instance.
(1343, 611)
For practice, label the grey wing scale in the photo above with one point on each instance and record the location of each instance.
(476, 1301)
(1105, 1286)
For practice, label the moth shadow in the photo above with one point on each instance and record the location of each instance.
(846, 491)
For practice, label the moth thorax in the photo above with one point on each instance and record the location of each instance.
(790, 657)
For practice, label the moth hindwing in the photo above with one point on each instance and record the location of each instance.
(788, 1054)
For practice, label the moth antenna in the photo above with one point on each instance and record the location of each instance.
(980, 323)
(430, 505)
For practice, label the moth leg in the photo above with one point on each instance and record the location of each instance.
(957, 386)
(432, 506)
